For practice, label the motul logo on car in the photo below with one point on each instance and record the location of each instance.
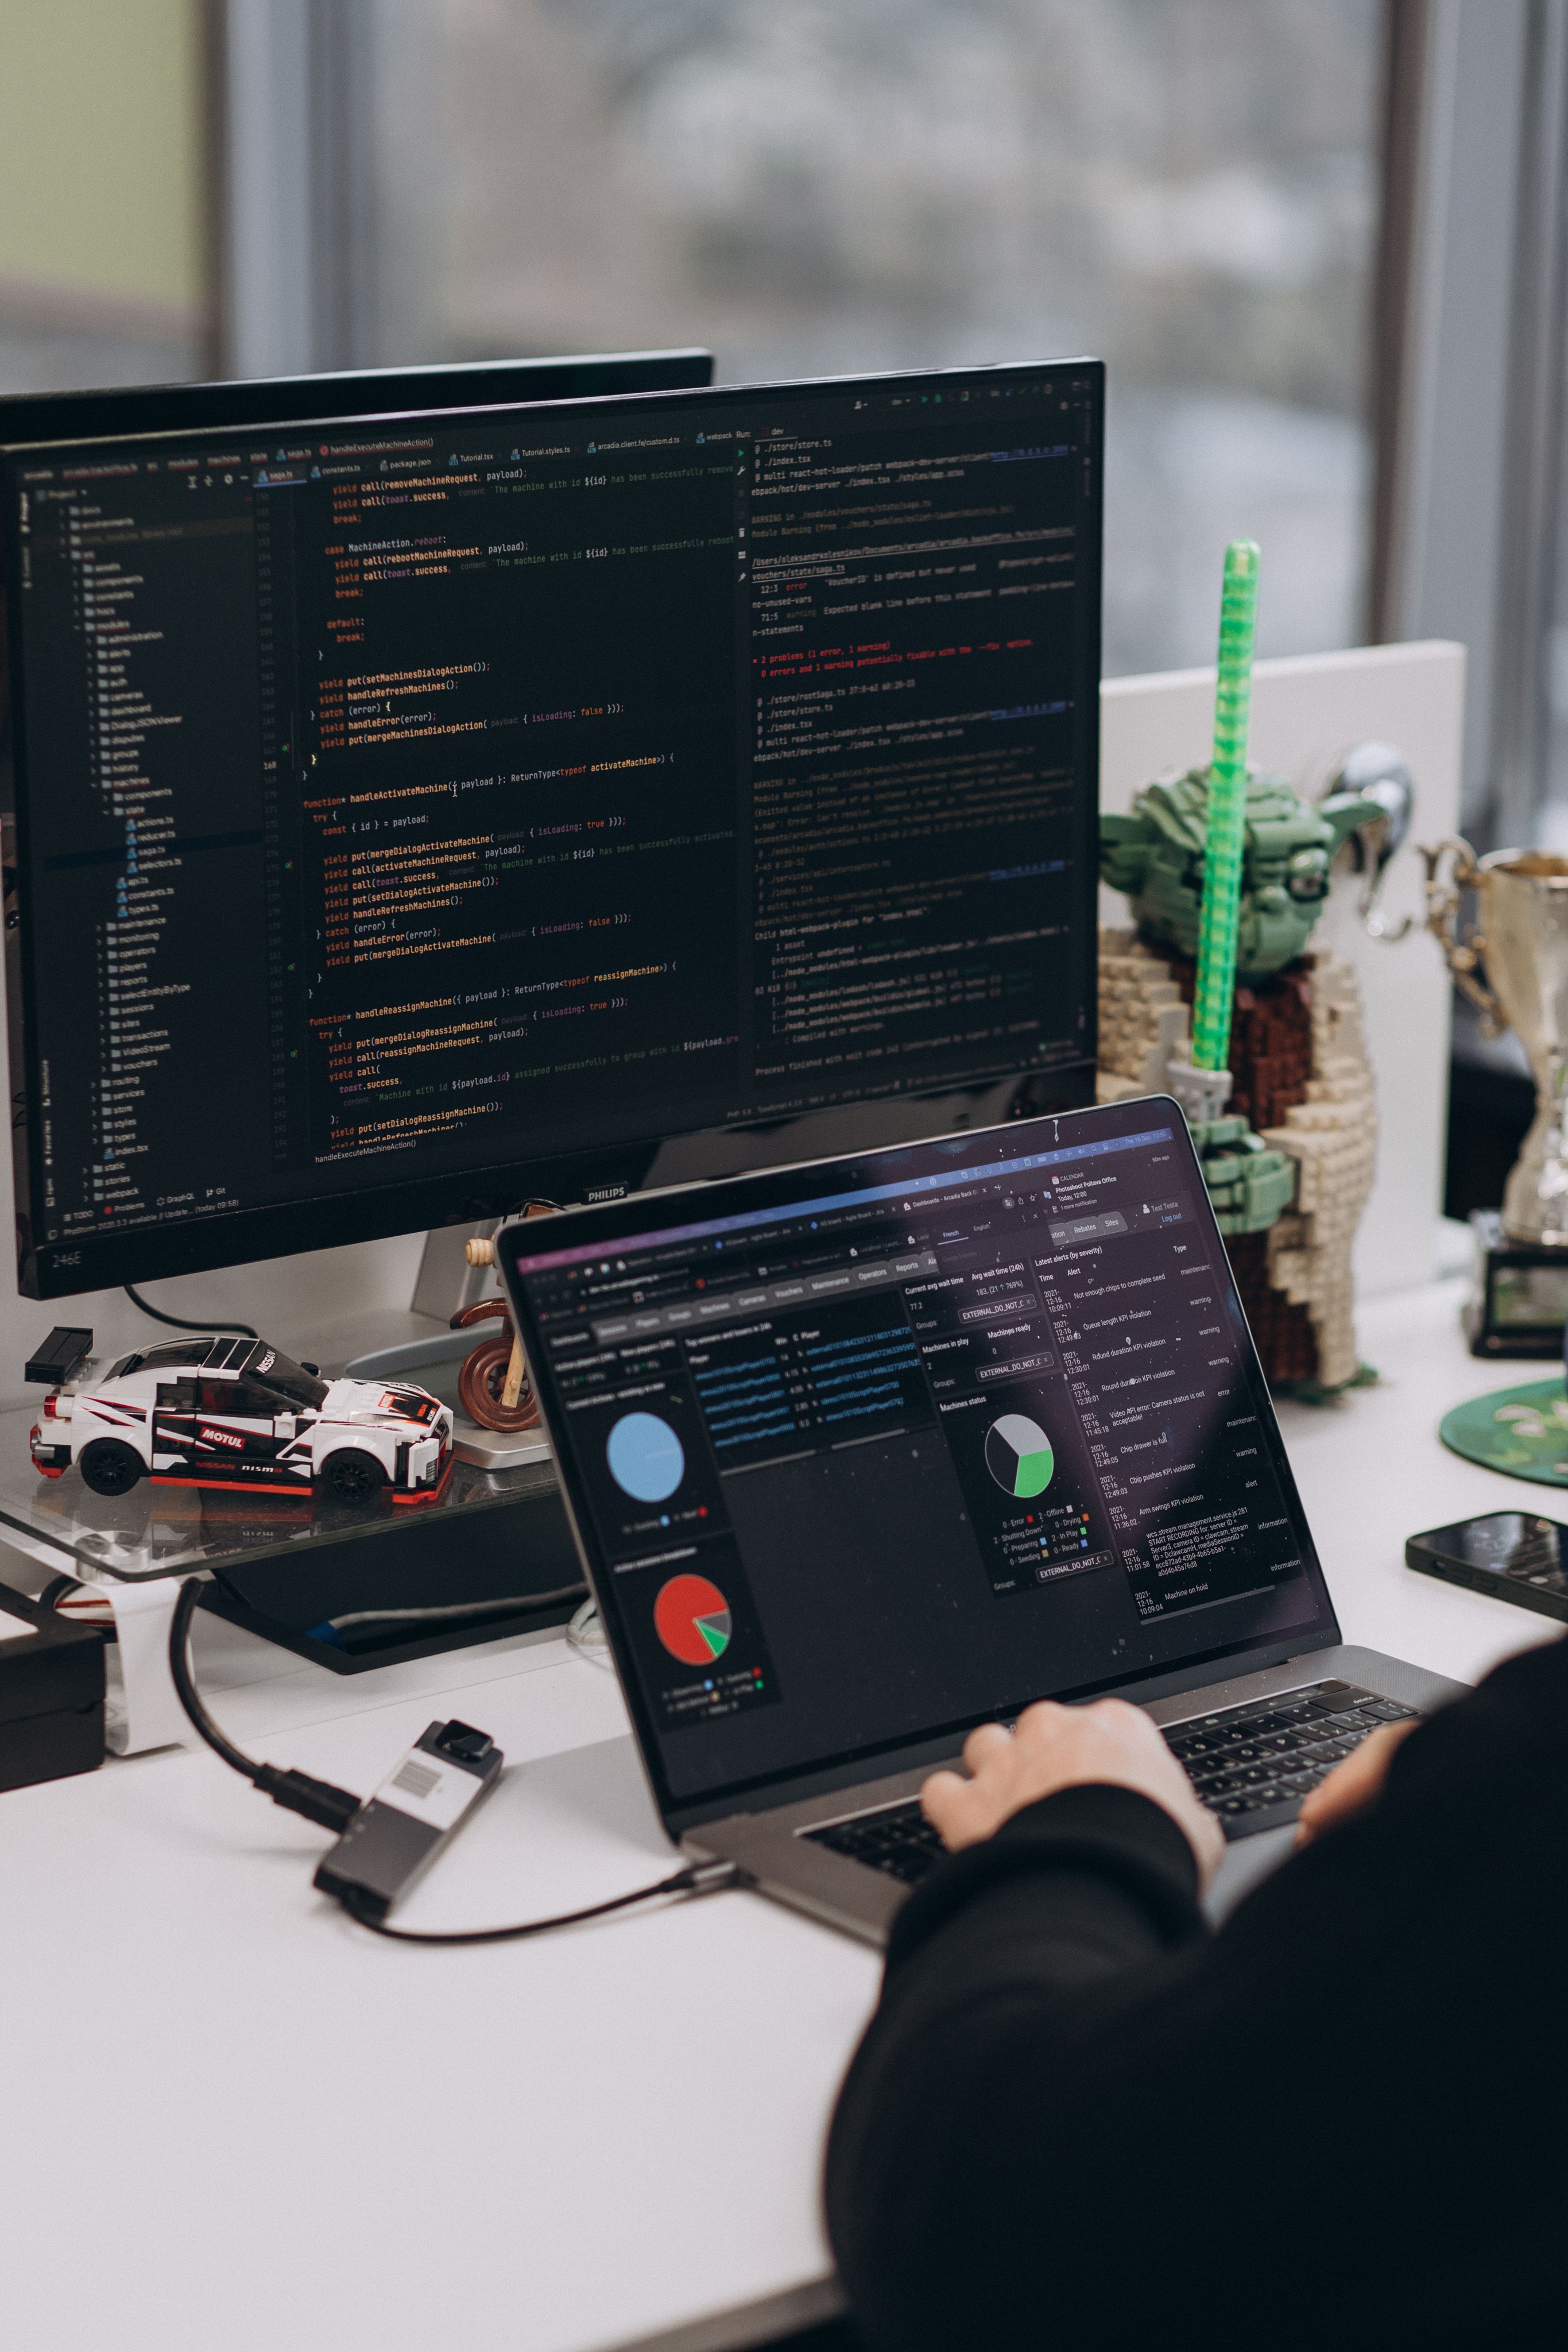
(220, 1437)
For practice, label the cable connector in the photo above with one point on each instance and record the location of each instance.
(712, 1877)
(318, 1800)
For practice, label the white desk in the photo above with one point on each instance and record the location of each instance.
(230, 2118)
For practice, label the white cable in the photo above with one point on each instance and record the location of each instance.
(586, 1634)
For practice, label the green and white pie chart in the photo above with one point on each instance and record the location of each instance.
(1019, 1455)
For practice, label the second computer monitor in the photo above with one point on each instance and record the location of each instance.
(418, 815)
(269, 401)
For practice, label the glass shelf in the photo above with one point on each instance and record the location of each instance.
(161, 1530)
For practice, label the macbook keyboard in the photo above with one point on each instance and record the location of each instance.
(1251, 1765)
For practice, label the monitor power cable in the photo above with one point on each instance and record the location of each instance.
(182, 1322)
(333, 1809)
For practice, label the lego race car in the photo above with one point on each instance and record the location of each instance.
(229, 1412)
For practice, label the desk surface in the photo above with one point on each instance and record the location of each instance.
(231, 2118)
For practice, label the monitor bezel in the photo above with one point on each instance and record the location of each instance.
(99, 1260)
(125, 411)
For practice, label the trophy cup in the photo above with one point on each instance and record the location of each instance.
(1514, 969)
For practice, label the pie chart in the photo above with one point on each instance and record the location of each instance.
(692, 1619)
(645, 1457)
(1019, 1455)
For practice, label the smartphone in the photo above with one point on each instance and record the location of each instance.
(1513, 1554)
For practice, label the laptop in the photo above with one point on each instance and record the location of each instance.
(863, 1452)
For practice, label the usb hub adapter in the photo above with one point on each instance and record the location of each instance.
(398, 1831)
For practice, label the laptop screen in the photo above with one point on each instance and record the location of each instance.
(867, 1452)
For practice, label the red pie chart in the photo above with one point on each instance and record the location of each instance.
(692, 1619)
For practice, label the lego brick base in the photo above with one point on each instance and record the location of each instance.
(1303, 1079)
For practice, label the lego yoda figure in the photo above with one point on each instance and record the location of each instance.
(1289, 1168)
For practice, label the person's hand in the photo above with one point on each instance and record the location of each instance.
(1066, 1748)
(1352, 1785)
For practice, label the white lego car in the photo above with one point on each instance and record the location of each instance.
(230, 1413)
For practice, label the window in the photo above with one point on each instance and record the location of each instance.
(231, 1397)
(168, 1354)
(287, 1383)
(1185, 187)
(1188, 188)
(101, 194)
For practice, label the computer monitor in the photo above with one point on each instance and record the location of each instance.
(421, 815)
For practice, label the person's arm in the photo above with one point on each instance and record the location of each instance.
(1077, 2117)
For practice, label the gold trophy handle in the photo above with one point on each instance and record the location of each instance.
(1466, 959)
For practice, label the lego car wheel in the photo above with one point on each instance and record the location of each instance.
(109, 1468)
(351, 1475)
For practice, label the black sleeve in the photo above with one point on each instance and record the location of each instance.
(1078, 2119)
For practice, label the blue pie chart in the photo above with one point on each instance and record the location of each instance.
(645, 1457)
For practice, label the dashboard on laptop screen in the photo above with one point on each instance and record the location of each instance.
(977, 1422)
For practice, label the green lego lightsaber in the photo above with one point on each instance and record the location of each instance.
(1226, 838)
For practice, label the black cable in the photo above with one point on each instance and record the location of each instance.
(181, 1322)
(185, 1689)
(318, 1800)
(697, 1878)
